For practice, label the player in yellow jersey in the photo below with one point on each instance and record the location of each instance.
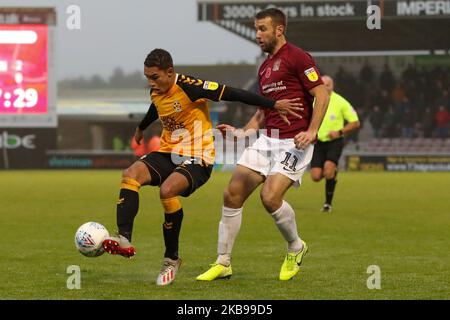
(186, 156)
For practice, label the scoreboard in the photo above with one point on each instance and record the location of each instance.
(28, 117)
(27, 77)
(23, 69)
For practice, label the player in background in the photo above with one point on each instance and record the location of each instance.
(185, 158)
(328, 148)
(276, 160)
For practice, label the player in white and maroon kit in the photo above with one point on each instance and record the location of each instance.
(278, 159)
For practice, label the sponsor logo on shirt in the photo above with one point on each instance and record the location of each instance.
(312, 74)
(177, 106)
(273, 87)
(170, 124)
(276, 65)
(209, 85)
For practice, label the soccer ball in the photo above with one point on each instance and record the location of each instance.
(89, 238)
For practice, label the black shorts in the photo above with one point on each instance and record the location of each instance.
(161, 166)
(330, 150)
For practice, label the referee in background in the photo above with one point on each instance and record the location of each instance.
(328, 148)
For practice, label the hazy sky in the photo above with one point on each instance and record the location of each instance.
(119, 33)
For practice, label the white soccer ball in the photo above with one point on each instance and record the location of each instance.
(89, 238)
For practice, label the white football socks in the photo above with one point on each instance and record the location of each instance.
(228, 230)
(285, 220)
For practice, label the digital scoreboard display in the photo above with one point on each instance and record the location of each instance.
(23, 69)
(27, 68)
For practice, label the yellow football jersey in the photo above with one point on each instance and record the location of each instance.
(184, 114)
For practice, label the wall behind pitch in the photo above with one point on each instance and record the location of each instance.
(25, 148)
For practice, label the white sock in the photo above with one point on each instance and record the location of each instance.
(228, 230)
(285, 220)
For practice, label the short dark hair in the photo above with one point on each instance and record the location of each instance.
(159, 58)
(278, 16)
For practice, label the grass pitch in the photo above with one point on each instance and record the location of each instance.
(399, 222)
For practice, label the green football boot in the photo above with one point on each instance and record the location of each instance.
(291, 264)
(216, 271)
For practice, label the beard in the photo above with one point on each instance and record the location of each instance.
(270, 45)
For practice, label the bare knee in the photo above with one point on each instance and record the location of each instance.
(137, 171)
(167, 191)
(316, 177)
(316, 174)
(329, 172)
(242, 184)
(271, 201)
(232, 198)
(130, 173)
(329, 175)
